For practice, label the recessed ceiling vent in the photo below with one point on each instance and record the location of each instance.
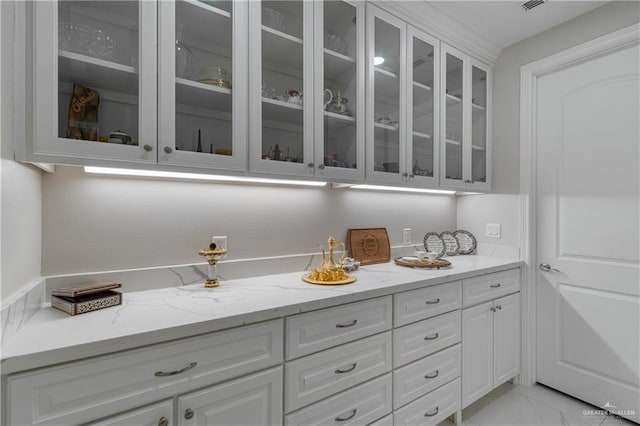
(532, 3)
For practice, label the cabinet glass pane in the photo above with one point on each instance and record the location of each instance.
(204, 77)
(422, 86)
(282, 81)
(340, 84)
(479, 130)
(454, 118)
(97, 71)
(386, 97)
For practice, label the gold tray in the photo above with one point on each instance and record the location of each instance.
(348, 280)
(425, 263)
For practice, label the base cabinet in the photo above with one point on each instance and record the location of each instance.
(490, 346)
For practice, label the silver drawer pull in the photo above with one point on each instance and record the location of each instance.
(163, 421)
(495, 285)
(432, 337)
(173, 373)
(432, 375)
(346, 370)
(433, 302)
(351, 324)
(433, 413)
(349, 417)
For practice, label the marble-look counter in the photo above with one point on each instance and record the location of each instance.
(154, 316)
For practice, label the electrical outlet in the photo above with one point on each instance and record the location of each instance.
(406, 236)
(493, 230)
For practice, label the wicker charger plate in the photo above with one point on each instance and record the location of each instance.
(425, 263)
(348, 280)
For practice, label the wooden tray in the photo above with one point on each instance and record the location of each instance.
(369, 245)
(426, 263)
(349, 280)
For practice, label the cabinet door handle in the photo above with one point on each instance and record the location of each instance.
(321, 166)
(188, 414)
(346, 370)
(495, 285)
(173, 373)
(310, 165)
(168, 149)
(432, 302)
(349, 417)
(432, 375)
(493, 309)
(432, 413)
(147, 148)
(163, 421)
(351, 324)
(499, 308)
(432, 337)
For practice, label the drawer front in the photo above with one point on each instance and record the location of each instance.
(425, 375)
(486, 287)
(317, 376)
(425, 337)
(424, 303)
(316, 331)
(358, 406)
(385, 421)
(86, 390)
(156, 414)
(432, 408)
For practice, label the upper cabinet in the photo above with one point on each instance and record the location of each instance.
(403, 103)
(465, 137)
(95, 82)
(203, 77)
(307, 67)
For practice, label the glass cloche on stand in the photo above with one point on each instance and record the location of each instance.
(213, 254)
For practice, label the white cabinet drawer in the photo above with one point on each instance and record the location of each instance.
(424, 303)
(251, 400)
(358, 406)
(486, 287)
(425, 375)
(317, 376)
(98, 387)
(316, 331)
(385, 421)
(432, 408)
(425, 337)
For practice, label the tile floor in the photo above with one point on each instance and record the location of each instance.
(511, 405)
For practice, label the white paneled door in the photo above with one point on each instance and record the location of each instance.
(588, 286)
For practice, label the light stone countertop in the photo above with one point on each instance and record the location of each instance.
(154, 316)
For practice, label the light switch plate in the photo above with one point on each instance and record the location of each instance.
(493, 230)
(406, 236)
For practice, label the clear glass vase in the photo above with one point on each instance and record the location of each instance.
(184, 55)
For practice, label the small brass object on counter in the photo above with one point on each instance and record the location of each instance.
(213, 254)
(330, 272)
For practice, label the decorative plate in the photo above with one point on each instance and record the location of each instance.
(451, 245)
(433, 243)
(466, 240)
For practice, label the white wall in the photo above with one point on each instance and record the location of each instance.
(20, 185)
(96, 223)
(503, 206)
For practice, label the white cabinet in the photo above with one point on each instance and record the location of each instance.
(202, 84)
(251, 400)
(490, 346)
(160, 414)
(307, 91)
(402, 103)
(93, 70)
(465, 122)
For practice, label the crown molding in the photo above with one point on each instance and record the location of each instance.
(427, 18)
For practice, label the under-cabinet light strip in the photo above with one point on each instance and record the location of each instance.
(195, 176)
(402, 189)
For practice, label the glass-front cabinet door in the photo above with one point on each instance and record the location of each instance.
(202, 83)
(386, 102)
(281, 87)
(339, 89)
(423, 61)
(465, 138)
(95, 81)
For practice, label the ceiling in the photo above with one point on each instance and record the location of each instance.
(504, 23)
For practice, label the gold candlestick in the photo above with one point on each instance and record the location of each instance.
(213, 254)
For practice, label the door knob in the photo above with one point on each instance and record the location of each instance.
(188, 414)
(545, 267)
(163, 421)
(147, 148)
(168, 149)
